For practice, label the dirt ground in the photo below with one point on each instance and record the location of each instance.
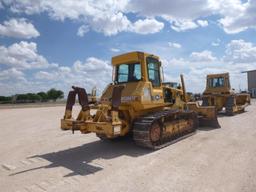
(36, 156)
(33, 105)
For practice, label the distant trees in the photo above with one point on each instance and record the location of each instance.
(43, 96)
(52, 94)
(4, 99)
(29, 97)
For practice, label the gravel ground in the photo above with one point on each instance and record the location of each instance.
(36, 156)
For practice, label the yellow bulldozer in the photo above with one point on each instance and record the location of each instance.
(138, 103)
(218, 93)
(92, 97)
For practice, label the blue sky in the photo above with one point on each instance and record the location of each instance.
(44, 44)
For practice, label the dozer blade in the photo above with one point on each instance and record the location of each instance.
(209, 122)
(207, 115)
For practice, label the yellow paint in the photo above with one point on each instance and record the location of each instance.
(138, 98)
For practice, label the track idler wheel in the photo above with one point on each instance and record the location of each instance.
(155, 133)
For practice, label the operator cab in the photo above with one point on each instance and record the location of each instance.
(217, 83)
(218, 80)
(137, 66)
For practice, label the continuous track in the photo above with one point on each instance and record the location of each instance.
(142, 128)
(229, 105)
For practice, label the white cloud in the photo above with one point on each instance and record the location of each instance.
(174, 45)
(238, 16)
(109, 16)
(115, 50)
(181, 14)
(29, 7)
(45, 75)
(22, 55)
(147, 26)
(235, 15)
(186, 24)
(12, 86)
(59, 74)
(240, 51)
(202, 56)
(102, 16)
(92, 64)
(180, 62)
(18, 28)
(92, 72)
(195, 75)
(181, 9)
(216, 43)
(183, 25)
(202, 23)
(82, 30)
(239, 56)
(64, 69)
(11, 74)
(110, 24)
(62, 9)
(195, 69)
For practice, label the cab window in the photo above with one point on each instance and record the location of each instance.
(216, 82)
(128, 73)
(153, 71)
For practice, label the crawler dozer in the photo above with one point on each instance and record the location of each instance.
(92, 97)
(137, 103)
(218, 93)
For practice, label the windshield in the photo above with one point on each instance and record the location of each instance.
(171, 84)
(216, 82)
(153, 71)
(128, 73)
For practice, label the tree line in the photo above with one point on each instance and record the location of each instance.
(51, 95)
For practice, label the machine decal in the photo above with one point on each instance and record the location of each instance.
(128, 98)
(146, 94)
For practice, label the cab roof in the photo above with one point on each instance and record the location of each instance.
(131, 57)
(217, 75)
